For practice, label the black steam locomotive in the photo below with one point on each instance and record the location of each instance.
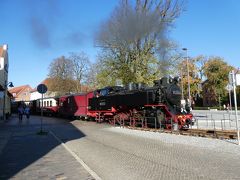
(158, 106)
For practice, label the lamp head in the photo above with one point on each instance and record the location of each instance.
(11, 84)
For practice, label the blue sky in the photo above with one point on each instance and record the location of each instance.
(38, 31)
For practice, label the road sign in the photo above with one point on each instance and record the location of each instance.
(230, 78)
(238, 79)
(42, 88)
(229, 87)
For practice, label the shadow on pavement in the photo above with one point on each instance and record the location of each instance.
(24, 147)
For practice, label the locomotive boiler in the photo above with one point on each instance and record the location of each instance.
(139, 105)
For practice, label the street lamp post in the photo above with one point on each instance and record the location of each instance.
(189, 94)
(182, 83)
(6, 84)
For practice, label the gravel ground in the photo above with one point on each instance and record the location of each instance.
(206, 143)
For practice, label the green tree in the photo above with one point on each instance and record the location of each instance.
(134, 40)
(216, 71)
(200, 62)
(194, 79)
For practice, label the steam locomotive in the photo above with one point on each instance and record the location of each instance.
(139, 105)
(135, 105)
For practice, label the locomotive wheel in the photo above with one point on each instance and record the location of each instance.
(137, 120)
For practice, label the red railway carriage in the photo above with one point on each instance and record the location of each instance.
(75, 105)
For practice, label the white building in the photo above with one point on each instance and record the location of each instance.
(4, 98)
(35, 95)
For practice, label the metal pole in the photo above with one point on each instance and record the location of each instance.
(230, 100)
(235, 103)
(182, 83)
(219, 102)
(41, 114)
(189, 94)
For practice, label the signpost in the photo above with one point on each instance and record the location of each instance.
(42, 89)
(233, 82)
(229, 88)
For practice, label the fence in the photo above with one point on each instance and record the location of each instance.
(203, 119)
(218, 120)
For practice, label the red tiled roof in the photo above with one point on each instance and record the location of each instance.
(1, 51)
(18, 89)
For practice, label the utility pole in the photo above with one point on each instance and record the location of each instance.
(182, 83)
(189, 94)
(232, 79)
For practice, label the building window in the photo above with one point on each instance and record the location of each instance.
(50, 103)
(44, 103)
(47, 103)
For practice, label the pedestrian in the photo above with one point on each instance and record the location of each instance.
(27, 112)
(228, 107)
(224, 107)
(193, 104)
(20, 112)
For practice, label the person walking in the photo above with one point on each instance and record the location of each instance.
(20, 113)
(224, 107)
(27, 112)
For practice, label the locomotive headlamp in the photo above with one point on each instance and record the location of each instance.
(170, 79)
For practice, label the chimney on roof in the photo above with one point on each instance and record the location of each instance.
(5, 47)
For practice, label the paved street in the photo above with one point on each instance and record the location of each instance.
(117, 153)
(113, 153)
(26, 155)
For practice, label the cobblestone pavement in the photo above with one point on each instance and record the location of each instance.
(112, 153)
(115, 154)
(26, 155)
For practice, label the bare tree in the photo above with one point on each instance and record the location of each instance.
(92, 74)
(61, 67)
(81, 65)
(61, 76)
(134, 35)
(200, 62)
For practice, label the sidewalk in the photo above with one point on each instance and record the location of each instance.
(26, 155)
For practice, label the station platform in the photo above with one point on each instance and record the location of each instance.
(26, 154)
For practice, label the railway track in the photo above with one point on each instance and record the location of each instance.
(219, 134)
